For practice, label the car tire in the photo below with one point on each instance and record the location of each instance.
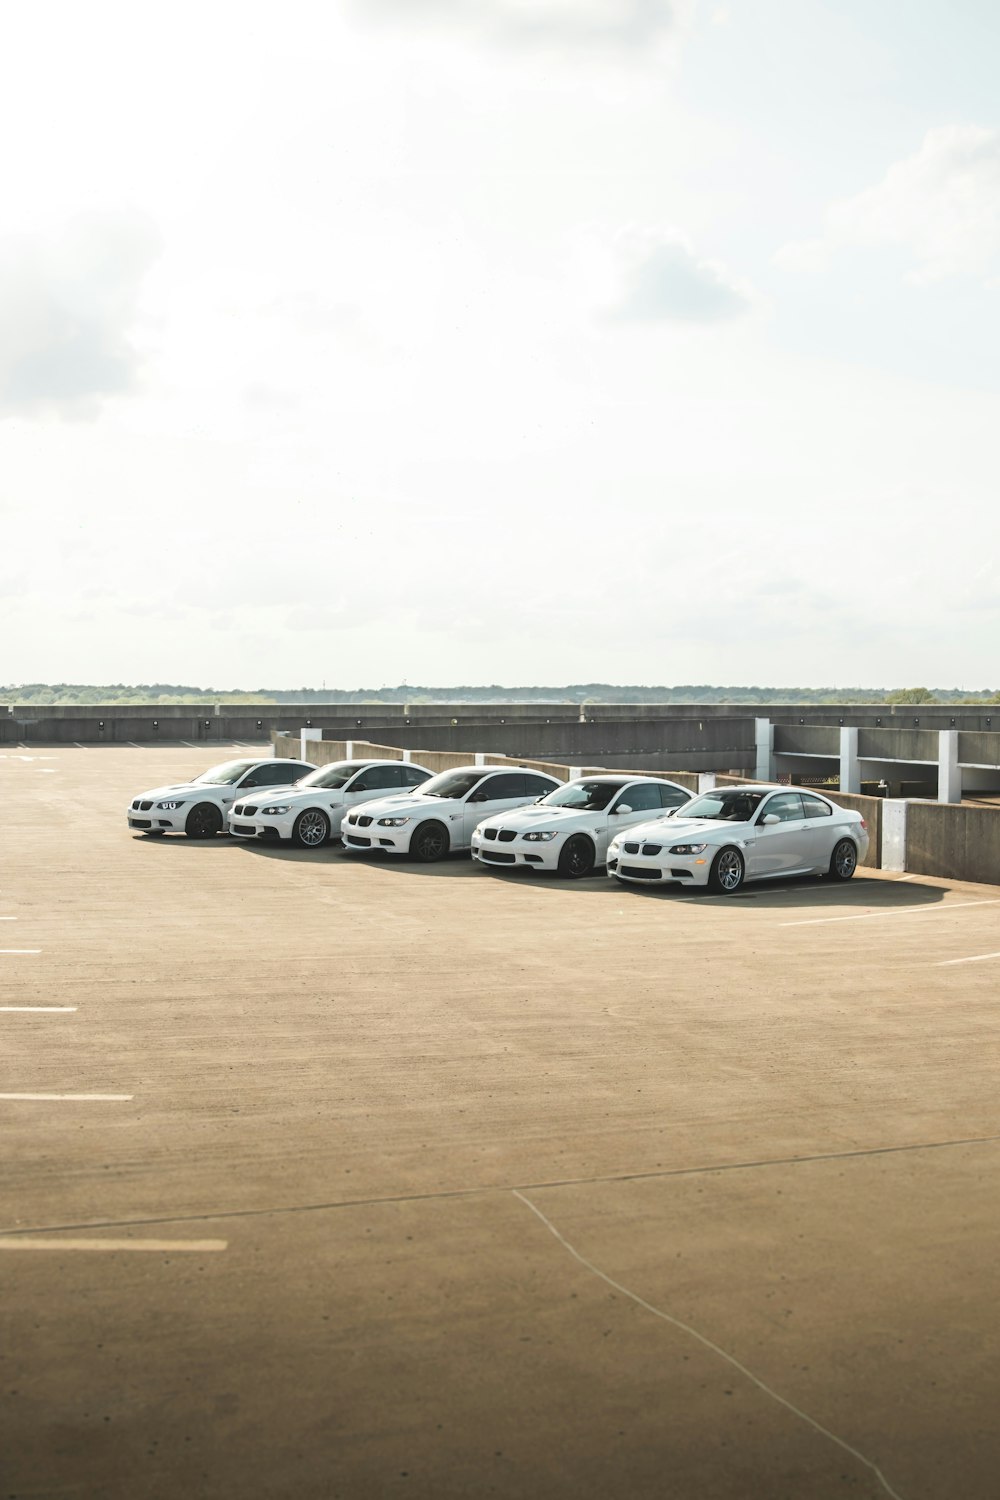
(843, 860)
(727, 872)
(312, 829)
(576, 858)
(203, 821)
(429, 842)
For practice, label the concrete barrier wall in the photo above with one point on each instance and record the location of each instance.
(953, 843)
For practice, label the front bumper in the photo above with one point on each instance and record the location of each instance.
(363, 834)
(144, 816)
(651, 863)
(507, 852)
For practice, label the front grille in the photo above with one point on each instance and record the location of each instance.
(651, 849)
(631, 848)
(244, 828)
(489, 833)
(142, 806)
(496, 858)
(140, 823)
(507, 835)
(359, 843)
(364, 822)
(247, 810)
(639, 872)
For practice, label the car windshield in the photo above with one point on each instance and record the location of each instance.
(584, 796)
(451, 783)
(736, 805)
(335, 775)
(227, 774)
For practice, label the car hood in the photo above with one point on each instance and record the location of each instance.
(292, 793)
(409, 799)
(684, 830)
(537, 816)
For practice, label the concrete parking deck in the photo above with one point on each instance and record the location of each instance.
(327, 1177)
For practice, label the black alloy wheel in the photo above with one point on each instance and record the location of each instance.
(576, 858)
(203, 821)
(429, 842)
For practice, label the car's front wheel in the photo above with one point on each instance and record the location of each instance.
(843, 860)
(312, 828)
(576, 858)
(203, 821)
(727, 872)
(429, 842)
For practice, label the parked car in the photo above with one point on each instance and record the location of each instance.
(438, 818)
(569, 829)
(313, 811)
(727, 836)
(198, 808)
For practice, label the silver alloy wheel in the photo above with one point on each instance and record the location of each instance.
(727, 871)
(844, 860)
(311, 828)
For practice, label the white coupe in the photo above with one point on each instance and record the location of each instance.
(568, 831)
(438, 818)
(743, 833)
(198, 808)
(313, 811)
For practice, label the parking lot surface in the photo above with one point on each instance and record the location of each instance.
(329, 1177)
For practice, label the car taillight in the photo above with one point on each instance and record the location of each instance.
(864, 825)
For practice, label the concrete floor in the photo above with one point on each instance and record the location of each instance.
(436, 1182)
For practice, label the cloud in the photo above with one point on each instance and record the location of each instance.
(661, 277)
(941, 204)
(67, 307)
(633, 25)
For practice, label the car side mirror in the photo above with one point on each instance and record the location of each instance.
(622, 807)
(769, 820)
(246, 785)
(479, 797)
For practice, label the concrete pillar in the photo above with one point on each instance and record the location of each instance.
(850, 766)
(348, 749)
(764, 736)
(574, 772)
(407, 755)
(706, 781)
(305, 735)
(949, 770)
(894, 834)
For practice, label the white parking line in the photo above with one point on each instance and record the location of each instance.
(39, 1008)
(185, 1247)
(900, 911)
(8, 919)
(980, 958)
(20, 950)
(75, 1098)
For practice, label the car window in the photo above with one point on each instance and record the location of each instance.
(786, 805)
(498, 788)
(584, 796)
(641, 796)
(413, 776)
(813, 807)
(536, 786)
(672, 796)
(377, 779)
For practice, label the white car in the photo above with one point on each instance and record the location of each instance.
(569, 830)
(439, 816)
(314, 809)
(198, 808)
(743, 833)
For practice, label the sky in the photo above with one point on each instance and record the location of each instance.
(361, 342)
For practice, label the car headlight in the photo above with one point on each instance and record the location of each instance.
(613, 847)
(392, 822)
(539, 837)
(169, 806)
(688, 848)
(274, 812)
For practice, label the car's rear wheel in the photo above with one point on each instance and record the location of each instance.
(727, 872)
(429, 842)
(576, 858)
(843, 860)
(312, 828)
(203, 821)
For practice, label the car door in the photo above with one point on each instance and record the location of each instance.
(781, 847)
(494, 795)
(636, 803)
(823, 829)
